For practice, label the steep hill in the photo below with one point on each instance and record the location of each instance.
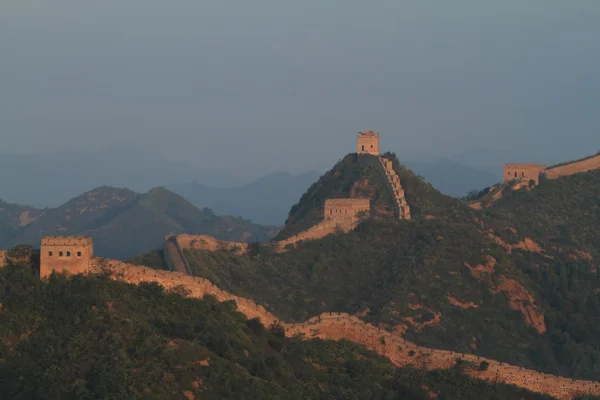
(124, 223)
(353, 176)
(91, 337)
(452, 277)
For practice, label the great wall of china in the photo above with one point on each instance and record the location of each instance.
(533, 172)
(338, 214)
(518, 176)
(337, 326)
(75, 255)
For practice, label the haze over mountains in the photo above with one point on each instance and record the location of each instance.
(122, 222)
(50, 180)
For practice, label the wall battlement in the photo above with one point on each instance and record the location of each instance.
(67, 241)
(346, 207)
(368, 143)
(71, 254)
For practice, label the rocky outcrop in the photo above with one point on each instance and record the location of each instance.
(397, 190)
(520, 299)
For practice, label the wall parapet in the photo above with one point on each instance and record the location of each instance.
(67, 241)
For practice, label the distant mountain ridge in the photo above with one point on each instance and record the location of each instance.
(122, 222)
(266, 200)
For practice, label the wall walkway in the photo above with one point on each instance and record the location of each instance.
(573, 168)
(397, 190)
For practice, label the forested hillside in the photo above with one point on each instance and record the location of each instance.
(452, 277)
(91, 337)
(563, 211)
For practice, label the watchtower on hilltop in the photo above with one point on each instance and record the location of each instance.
(368, 143)
(70, 254)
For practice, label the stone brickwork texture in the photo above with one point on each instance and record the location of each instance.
(394, 180)
(524, 172)
(368, 143)
(65, 253)
(569, 169)
(345, 207)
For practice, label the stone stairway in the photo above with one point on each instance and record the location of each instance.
(397, 190)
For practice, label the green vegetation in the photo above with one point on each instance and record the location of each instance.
(91, 338)
(563, 212)
(154, 259)
(395, 270)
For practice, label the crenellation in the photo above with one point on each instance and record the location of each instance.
(368, 143)
(71, 254)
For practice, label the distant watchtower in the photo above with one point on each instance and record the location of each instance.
(368, 143)
(71, 254)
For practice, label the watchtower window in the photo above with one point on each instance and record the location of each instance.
(78, 254)
(363, 147)
(60, 253)
(371, 146)
(515, 174)
(68, 254)
(50, 253)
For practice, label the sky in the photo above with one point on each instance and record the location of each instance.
(250, 87)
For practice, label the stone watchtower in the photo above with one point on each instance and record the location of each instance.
(70, 254)
(368, 143)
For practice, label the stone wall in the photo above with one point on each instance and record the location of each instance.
(2, 258)
(65, 253)
(172, 255)
(337, 326)
(573, 168)
(368, 143)
(322, 229)
(206, 242)
(527, 172)
(393, 179)
(524, 172)
(345, 207)
(196, 287)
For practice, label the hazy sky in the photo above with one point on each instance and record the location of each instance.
(253, 86)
